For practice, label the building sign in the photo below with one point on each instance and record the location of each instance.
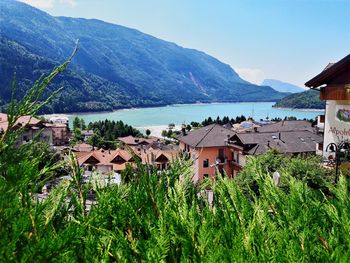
(339, 132)
(342, 113)
(337, 123)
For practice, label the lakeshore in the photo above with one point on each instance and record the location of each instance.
(157, 118)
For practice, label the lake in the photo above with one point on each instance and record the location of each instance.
(158, 118)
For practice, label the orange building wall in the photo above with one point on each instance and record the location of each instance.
(211, 153)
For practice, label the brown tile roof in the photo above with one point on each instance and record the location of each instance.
(28, 120)
(22, 121)
(82, 147)
(329, 73)
(132, 141)
(287, 126)
(150, 155)
(284, 142)
(106, 157)
(213, 135)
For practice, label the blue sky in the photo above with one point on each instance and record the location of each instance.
(289, 40)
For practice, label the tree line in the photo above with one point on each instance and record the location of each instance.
(105, 133)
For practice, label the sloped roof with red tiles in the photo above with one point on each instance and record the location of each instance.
(105, 157)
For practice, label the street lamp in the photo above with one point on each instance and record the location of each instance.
(338, 149)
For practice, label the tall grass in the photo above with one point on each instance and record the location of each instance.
(164, 217)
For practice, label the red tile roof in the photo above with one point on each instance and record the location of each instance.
(106, 157)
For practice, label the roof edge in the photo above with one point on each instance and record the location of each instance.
(316, 81)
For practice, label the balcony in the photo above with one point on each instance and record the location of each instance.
(236, 163)
(221, 160)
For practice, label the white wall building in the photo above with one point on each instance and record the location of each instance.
(334, 85)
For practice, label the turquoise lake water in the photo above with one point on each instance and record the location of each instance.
(179, 114)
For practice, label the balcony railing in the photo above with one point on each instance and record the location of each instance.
(236, 163)
(221, 160)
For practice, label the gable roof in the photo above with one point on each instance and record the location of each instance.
(105, 157)
(213, 135)
(22, 121)
(284, 142)
(132, 141)
(82, 147)
(297, 125)
(329, 72)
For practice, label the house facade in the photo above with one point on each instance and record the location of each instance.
(152, 151)
(33, 128)
(216, 149)
(334, 86)
(210, 151)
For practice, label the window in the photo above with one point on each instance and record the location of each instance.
(206, 163)
(205, 175)
(221, 153)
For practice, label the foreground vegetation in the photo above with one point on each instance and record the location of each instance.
(163, 216)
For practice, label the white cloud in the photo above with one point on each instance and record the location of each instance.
(47, 4)
(39, 3)
(255, 76)
(72, 3)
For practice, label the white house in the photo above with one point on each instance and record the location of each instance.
(334, 85)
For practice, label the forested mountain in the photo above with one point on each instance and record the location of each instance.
(115, 67)
(282, 86)
(309, 99)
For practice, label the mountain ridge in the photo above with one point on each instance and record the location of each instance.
(131, 68)
(282, 86)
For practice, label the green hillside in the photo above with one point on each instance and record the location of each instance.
(115, 66)
(309, 99)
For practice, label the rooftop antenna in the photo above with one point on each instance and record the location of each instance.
(253, 112)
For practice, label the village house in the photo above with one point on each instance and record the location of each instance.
(60, 130)
(209, 149)
(214, 148)
(60, 133)
(82, 147)
(159, 156)
(32, 128)
(285, 142)
(334, 86)
(136, 141)
(105, 161)
(152, 151)
(87, 134)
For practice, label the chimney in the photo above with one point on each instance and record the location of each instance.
(183, 131)
(255, 129)
(279, 136)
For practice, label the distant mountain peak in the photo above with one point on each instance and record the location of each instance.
(282, 86)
